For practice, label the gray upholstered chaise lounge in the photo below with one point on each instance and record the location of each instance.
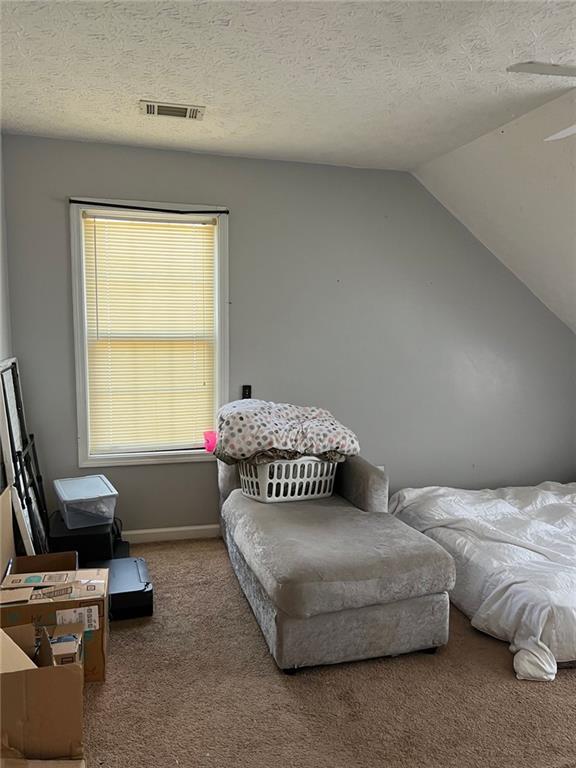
(336, 579)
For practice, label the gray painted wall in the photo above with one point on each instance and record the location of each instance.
(5, 337)
(351, 289)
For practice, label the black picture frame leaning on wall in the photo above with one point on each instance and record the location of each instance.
(21, 463)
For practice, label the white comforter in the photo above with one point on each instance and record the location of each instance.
(515, 553)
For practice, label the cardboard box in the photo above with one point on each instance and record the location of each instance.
(52, 563)
(41, 704)
(63, 644)
(84, 599)
(49, 590)
(6, 528)
(13, 658)
(38, 579)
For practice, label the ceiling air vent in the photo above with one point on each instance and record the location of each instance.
(160, 109)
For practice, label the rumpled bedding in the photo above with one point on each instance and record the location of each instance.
(261, 432)
(515, 554)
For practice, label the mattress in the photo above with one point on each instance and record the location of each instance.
(515, 555)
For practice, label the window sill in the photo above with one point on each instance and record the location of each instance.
(135, 459)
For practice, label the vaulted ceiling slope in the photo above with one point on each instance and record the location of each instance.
(517, 194)
(370, 84)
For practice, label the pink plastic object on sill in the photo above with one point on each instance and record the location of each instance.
(210, 440)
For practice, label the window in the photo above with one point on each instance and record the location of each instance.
(151, 329)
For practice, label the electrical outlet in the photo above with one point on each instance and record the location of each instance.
(246, 391)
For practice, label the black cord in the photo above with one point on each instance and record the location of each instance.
(118, 527)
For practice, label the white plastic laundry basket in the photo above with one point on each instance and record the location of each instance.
(306, 478)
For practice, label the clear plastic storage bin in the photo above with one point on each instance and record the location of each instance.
(86, 501)
(284, 480)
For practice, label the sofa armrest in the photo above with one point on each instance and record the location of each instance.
(363, 484)
(228, 480)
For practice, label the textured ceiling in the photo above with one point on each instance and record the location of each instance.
(371, 84)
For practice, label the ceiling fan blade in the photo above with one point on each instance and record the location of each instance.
(541, 68)
(571, 131)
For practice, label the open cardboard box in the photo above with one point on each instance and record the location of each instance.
(53, 562)
(49, 590)
(41, 698)
(41, 702)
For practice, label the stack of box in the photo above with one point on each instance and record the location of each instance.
(85, 521)
(50, 590)
(53, 638)
(85, 525)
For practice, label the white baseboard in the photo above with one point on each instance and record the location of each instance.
(144, 535)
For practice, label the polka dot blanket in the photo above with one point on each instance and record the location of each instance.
(261, 432)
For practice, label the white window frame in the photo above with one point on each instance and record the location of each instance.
(85, 458)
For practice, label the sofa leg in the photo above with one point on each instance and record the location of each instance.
(290, 670)
(430, 650)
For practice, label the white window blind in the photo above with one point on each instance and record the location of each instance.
(151, 330)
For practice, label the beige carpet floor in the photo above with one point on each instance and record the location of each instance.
(195, 687)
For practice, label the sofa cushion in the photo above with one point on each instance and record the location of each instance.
(326, 555)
